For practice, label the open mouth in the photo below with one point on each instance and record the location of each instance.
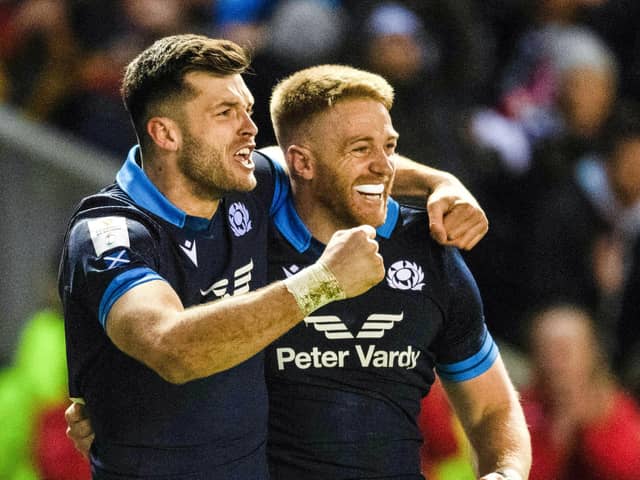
(371, 191)
(244, 157)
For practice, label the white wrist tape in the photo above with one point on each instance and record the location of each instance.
(314, 287)
(509, 474)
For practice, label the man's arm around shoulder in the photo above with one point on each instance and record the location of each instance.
(150, 323)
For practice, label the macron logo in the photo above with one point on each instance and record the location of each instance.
(189, 248)
(291, 270)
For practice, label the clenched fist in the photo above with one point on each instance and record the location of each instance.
(352, 256)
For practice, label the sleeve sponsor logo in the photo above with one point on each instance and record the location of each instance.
(107, 233)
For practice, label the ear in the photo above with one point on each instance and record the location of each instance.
(300, 162)
(165, 133)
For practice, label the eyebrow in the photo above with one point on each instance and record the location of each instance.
(369, 138)
(229, 104)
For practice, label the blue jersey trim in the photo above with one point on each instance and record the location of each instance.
(122, 284)
(290, 225)
(135, 183)
(292, 228)
(393, 211)
(281, 188)
(473, 366)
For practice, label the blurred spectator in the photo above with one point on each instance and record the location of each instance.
(625, 140)
(560, 86)
(60, 60)
(243, 21)
(586, 89)
(94, 111)
(582, 424)
(33, 396)
(294, 34)
(549, 119)
(627, 359)
(429, 111)
(545, 86)
(582, 234)
(617, 22)
(37, 54)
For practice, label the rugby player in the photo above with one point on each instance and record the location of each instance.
(162, 348)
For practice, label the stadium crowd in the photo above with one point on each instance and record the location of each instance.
(533, 104)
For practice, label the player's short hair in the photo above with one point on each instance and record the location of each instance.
(299, 97)
(155, 78)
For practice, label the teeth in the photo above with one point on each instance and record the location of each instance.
(374, 189)
(243, 151)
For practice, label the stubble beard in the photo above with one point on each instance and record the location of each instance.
(205, 167)
(343, 205)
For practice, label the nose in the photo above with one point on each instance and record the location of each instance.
(248, 126)
(383, 163)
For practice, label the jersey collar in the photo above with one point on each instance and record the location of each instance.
(290, 225)
(135, 183)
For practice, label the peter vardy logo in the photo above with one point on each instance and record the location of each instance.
(335, 329)
(405, 275)
(369, 356)
(239, 219)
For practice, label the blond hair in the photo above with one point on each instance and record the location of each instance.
(304, 94)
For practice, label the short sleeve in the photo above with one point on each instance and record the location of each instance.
(465, 348)
(106, 257)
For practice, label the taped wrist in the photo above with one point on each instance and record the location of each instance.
(509, 474)
(314, 287)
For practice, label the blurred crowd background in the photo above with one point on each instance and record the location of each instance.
(533, 104)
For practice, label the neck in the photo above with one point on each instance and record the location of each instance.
(315, 219)
(179, 190)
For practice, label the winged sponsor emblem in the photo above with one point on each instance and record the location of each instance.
(334, 328)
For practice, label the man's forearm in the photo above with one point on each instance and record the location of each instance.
(490, 412)
(501, 442)
(150, 324)
(417, 180)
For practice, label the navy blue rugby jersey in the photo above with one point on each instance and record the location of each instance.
(345, 385)
(128, 234)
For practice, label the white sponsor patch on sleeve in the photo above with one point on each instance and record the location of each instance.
(108, 232)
